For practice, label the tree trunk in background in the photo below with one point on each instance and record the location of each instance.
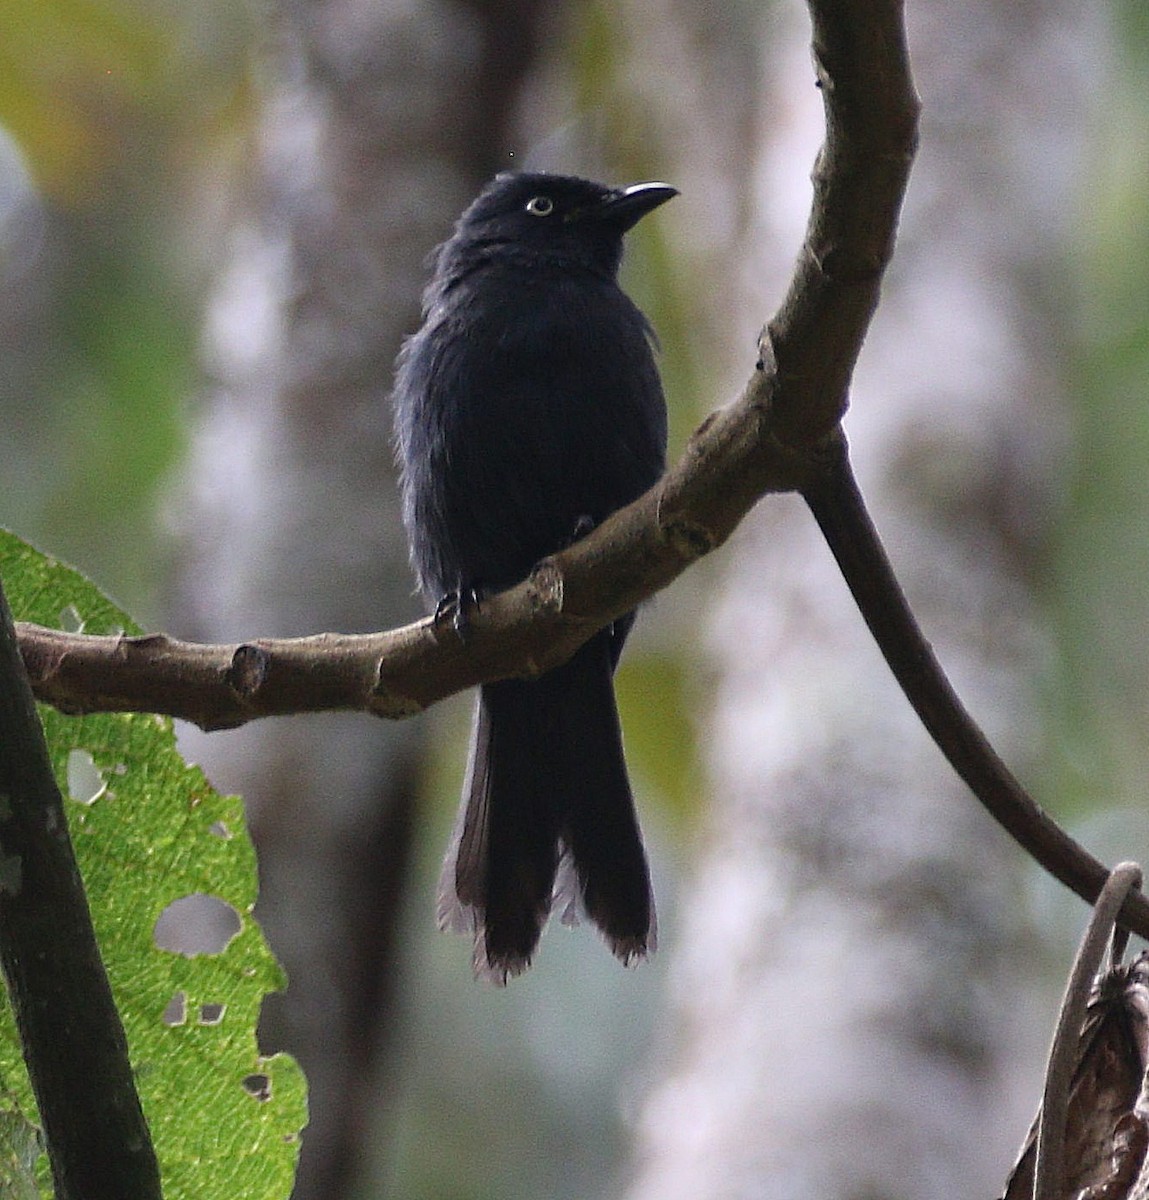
(377, 122)
(852, 1005)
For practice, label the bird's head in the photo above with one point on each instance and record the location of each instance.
(555, 217)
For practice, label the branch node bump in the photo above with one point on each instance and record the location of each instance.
(140, 642)
(248, 670)
(689, 539)
(845, 265)
(547, 587)
(389, 704)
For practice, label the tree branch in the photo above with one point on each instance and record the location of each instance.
(860, 180)
(523, 631)
(841, 514)
(73, 1041)
(782, 434)
(771, 439)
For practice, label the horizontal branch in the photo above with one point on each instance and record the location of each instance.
(771, 439)
(520, 632)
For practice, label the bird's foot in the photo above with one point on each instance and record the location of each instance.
(456, 607)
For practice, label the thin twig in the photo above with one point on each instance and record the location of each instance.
(841, 514)
(72, 1038)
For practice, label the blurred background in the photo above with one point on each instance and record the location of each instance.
(213, 224)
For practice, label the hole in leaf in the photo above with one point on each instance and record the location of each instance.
(257, 1086)
(220, 830)
(211, 1014)
(70, 619)
(176, 1012)
(196, 924)
(85, 782)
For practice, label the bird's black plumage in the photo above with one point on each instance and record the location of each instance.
(527, 408)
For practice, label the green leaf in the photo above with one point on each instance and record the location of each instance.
(149, 831)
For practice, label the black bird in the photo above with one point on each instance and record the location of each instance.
(527, 409)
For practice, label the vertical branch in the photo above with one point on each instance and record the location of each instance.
(74, 1043)
(860, 180)
(832, 836)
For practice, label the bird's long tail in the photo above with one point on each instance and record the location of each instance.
(547, 817)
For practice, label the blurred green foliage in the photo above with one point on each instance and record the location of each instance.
(65, 65)
(659, 699)
(1099, 733)
(119, 115)
(87, 86)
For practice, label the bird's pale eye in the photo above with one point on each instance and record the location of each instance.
(540, 206)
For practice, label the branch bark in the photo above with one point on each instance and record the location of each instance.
(73, 1041)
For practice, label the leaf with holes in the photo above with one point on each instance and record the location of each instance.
(170, 875)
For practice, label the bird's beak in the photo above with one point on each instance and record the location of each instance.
(625, 207)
